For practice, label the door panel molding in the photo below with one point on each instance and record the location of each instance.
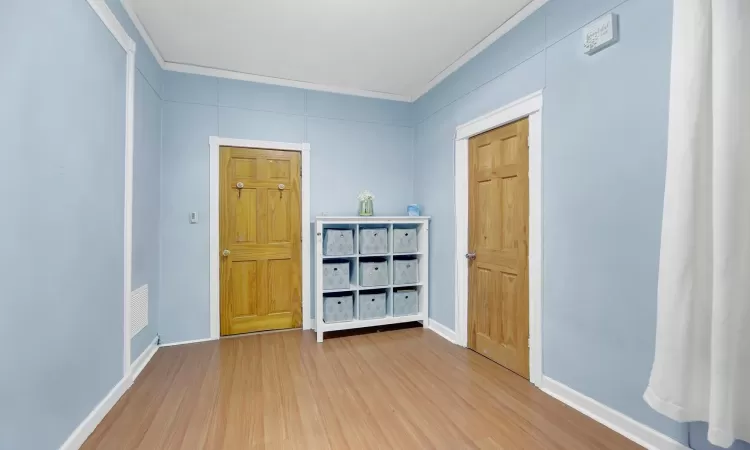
(215, 143)
(529, 106)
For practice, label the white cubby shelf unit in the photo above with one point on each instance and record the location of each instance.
(420, 224)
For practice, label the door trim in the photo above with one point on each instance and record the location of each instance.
(529, 106)
(215, 143)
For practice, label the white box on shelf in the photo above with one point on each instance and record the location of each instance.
(338, 242)
(405, 271)
(373, 241)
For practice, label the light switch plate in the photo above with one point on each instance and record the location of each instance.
(193, 217)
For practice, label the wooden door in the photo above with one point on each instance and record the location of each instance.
(260, 230)
(498, 235)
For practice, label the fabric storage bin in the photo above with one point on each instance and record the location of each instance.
(371, 305)
(373, 273)
(405, 302)
(338, 242)
(373, 241)
(404, 240)
(405, 271)
(335, 275)
(338, 308)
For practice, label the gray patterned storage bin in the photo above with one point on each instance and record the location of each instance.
(404, 240)
(405, 271)
(338, 308)
(405, 302)
(335, 275)
(338, 242)
(373, 241)
(371, 305)
(373, 273)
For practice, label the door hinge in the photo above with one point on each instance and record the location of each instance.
(529, 341)
(300, 172)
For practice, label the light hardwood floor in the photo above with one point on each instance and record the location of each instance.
(397, 389)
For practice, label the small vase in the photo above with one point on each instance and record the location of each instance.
(365, 207)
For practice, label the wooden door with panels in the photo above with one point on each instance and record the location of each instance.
(260, 240)
(498, 245)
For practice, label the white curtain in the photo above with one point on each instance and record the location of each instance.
(701, 369)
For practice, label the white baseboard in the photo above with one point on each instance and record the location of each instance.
(631, 429)
(194, 341)
(442, 331)
(139, 364)
(84, 430)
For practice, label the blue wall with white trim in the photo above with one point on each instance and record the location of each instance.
(356, 143)
(62, 118)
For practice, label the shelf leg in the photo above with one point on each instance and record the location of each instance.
(320, 336)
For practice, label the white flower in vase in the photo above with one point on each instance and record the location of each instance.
(366, 195)
(365, 203)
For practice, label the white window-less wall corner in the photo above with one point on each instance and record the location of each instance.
(215, 143)
(531, 107)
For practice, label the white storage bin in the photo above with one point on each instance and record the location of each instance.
(373, 273)
(338, 308)
(335, 275)
(404, 240)
(405, 271)
(405, 302)
(371, 305)
(373, 241)
(338, 242)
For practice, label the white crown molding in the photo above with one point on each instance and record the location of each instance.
(232, 75)
(142, 30)
(114, 27)
(508, 25)
(242, 76)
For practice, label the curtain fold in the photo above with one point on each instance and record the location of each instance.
(701, 369)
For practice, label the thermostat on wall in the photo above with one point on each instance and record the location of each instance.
(600, 34)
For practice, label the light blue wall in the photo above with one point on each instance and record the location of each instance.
(62, 119)
(604, 138)
(357, 143)
(146, 206)
(146, 178)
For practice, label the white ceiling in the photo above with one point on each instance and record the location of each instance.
(396, 47)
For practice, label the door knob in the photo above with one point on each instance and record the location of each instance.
(226, 252)
(471, 256)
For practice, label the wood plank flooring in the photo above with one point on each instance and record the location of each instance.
(398, 389)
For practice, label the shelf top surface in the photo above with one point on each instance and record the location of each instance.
(375, 219)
